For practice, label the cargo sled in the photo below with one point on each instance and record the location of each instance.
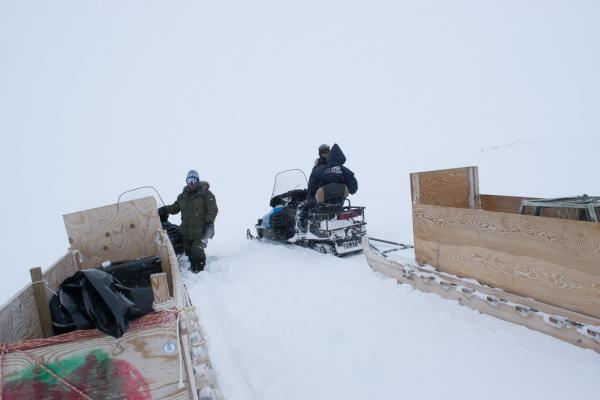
(162, 355)
(540, 270)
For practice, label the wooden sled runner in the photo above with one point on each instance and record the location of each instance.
(163, 355)
(543, 273)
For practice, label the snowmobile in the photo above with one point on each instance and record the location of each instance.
(332, 228)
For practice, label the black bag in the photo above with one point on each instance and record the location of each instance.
(95, 298)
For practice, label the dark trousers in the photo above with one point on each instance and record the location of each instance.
(194, 249)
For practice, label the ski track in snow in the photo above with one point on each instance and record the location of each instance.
(285, 322)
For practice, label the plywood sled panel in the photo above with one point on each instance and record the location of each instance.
(19, 317)
(122, 231)
(458, 187)
(551, 260)
(507, 204)
(141, 365)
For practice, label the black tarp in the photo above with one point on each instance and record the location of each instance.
(97, 298)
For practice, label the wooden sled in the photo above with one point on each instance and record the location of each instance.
(163, 355)
(543, 273)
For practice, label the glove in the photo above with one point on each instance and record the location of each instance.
(162, 211)
(209, 231)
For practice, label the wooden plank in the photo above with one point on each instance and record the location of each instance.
(142, 364)
(19, 319)
(457, 187)
(41, 300)
(415, 190)
(506, 204)
(474, 200)
(160, 288)
(78, 260)
(451, 288)
(551, 260)
(122, 231)
(166, 262)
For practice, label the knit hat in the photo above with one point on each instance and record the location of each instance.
(192, 176)
(324, 148)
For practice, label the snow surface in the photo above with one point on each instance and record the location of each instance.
(289, 323)
(99, 97)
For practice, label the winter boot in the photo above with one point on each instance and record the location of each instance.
(197, 266)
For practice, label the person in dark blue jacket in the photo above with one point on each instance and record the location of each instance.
(328, 183)
(324, 151)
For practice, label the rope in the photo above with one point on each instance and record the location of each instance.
(47, 285)
(180, 385)
(4, 348)
(149, 320)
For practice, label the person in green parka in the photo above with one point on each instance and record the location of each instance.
(198, 208)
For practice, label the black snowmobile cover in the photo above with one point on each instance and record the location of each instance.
(135, 273)
(95, 298)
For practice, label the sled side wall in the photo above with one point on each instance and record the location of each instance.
(20, 316)
(555, 261)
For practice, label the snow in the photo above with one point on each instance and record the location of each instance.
(288, 322)
(97, 98)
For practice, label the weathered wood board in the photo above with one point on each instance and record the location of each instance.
(41, 301)
(142, 364)
(458, 187)
(122, 231)
(19, 317)
(551, 260)
(506, 204)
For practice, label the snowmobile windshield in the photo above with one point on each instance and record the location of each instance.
(140, 192)
(291, 179)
